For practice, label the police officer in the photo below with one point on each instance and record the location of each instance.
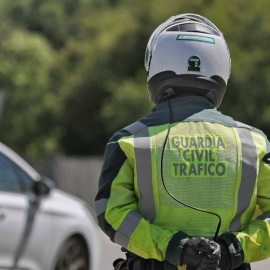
(187, 151)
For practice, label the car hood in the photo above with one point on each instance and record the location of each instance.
(62, 203)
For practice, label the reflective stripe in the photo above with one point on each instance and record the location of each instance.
(127, 228)
(142, 148)
(101, 206)
(111, 142)
(144, 174)
(265, 217)
(249, 174)
(135, 127)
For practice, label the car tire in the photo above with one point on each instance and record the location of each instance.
(74, 255)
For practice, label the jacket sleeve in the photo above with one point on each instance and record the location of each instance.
(255, 239)
(118, 216)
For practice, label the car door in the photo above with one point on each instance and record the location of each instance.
(33, 249)
(14, 205)
(25, 228)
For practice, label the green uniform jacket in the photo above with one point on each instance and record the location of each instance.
(210, 162)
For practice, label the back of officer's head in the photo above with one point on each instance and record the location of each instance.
(187, 55)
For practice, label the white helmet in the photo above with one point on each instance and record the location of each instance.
(187, 54)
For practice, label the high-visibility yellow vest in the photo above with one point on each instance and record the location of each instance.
(210, 162)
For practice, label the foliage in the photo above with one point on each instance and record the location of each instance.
(74, 70)
(27, 123)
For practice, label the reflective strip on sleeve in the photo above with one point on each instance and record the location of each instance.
(265, 217)
(135, 127)
(127, 228)
(249, 174)
(142, 148)
(101, 206)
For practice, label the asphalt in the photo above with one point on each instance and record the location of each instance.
(112, 251)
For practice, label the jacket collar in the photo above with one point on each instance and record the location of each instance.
(189, 104)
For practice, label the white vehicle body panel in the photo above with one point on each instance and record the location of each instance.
(13, 209)
(34, 233)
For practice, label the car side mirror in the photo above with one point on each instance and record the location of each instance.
(43, 187)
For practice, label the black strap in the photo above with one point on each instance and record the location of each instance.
(137, 263)
(245, 266)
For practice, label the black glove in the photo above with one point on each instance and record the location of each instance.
(201, 254)
(225, 260)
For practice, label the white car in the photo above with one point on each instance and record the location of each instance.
(41, 227)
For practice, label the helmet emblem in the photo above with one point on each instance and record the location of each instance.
(194, 63)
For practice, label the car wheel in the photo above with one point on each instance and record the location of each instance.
(74, 255)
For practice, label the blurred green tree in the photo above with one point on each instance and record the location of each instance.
(30, 108)
(86, 60)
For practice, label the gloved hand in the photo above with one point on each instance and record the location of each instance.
(201, 254)
(225, 260)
